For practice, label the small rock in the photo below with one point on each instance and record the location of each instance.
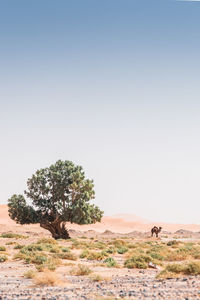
(122, 294)
(131, 293)
(151, 265)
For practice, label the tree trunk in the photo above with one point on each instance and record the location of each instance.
(57, 229)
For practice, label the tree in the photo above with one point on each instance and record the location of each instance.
(57, 195)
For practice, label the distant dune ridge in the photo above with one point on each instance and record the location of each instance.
(121, 223)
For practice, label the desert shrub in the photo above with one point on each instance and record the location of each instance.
(54, 249)
(172, 243)
(104, 253)
(80, 244)
(99, 245)
(47, 241)
(156, 255)
(177, 255)
(18, 246)
(31, 248)
(19, 256)
(110, 262)
(164, 274)
(66, 255)
(80, 270)
(65, 249)
(84, 254)
(132, 246)
(30, 274)
(11, 243)
(135, 252)
(175, 268)
(3, 258)
(119, 243)
(149, 243)
(39, 259)
(49, 245)
(122, 250)
(189, 245)
(98, 277)
(111, 250)
(196, 254)
(10, 235)
(139, 262)
(2, 248)
(47, 278)
(95, 255)
(191, 268)
(51, 264)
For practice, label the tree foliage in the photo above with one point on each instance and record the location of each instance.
(57, 194)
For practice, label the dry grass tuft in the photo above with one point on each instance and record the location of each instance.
(47, 241)
(47, 278)
(97, 277)
(80, 270)
(30, 274)
(174, 270)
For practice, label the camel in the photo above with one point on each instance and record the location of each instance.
(155, 230)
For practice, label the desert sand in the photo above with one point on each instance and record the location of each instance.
(121, 223)
(119, 282)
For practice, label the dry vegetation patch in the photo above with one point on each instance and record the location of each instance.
(174, 270)
(80, 270)
(47, 278)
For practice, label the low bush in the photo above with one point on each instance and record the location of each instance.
(84, 253)
(80, 270)
(47, 241)
(122, 250)
(110, 262)
(98, 277)
(111, 250)
(119, 243)
(95, 256)
(138, 262)
(30, 274)
(2, 248)
(99, 245)
(3, 258)
(172, 243)
(191, 268)
(54, 249)
(65, 249)
(66, 255)
(47, 278)
(177, 255)
(18, 246)
(10, 235)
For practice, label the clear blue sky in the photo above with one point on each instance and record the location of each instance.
(113, 85)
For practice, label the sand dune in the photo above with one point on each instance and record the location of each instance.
(122, 223)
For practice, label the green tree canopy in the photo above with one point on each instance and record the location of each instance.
(56, 195)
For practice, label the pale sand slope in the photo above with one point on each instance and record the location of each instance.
(118, 223)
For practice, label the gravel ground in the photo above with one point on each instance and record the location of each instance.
(137, 285)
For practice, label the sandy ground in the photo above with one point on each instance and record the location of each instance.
(119, 224)
(123, 283)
